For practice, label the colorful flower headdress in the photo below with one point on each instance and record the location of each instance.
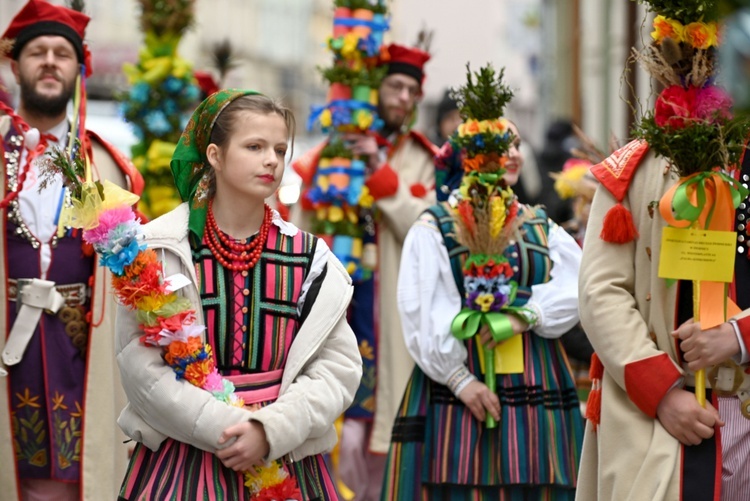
(487, 214)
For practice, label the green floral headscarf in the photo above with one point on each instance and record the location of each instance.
(189, 164)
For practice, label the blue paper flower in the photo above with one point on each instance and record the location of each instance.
(191, 92)
(169, 106)
(157, 123)
(140, 92)
(172, 85)
(117, 262)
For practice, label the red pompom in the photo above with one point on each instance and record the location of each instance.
(618, 226)
(418, 190)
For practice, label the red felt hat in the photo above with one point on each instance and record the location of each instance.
(206, 82)
(406, 60)
(39, 18)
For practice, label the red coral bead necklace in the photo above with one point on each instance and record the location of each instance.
(231, 254)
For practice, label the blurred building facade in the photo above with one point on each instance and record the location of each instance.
(563, 58)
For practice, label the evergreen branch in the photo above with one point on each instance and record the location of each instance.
(484, 96)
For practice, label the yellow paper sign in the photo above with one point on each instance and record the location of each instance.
(508, 356)
(692, 254)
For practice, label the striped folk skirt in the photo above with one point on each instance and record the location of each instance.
(181, 472)
(439, 451)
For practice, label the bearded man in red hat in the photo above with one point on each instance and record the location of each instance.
(401, 183)
(59, 402)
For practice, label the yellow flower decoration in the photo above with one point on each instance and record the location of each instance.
(325, 118)
(78, 412)
(568, 180)
(351, 214)
(27, 399)
(349, 48)
(365, 199)
(364, 119)
(667, 28)
(500, 126)
(335, 214)
(497, 216)
(57, 402)
(468, 128)
(484, 301)
(156, 302)
(701, 35)
(265, 476)
(159, 155)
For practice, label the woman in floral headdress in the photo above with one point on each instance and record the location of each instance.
(467, 430)
(273, 302)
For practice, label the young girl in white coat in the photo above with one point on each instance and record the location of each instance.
(273, 301)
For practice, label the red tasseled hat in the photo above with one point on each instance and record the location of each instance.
(206, 82)
(39, 18)
(406, 60)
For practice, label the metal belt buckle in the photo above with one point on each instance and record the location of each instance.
(21, 283)
(730, 372)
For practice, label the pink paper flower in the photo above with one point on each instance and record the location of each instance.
(713, 104)
(108, 220)
(214, 382)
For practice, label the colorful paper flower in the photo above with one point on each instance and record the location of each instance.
(713, 104)
(666, 28)
(675, 106)
(701, 35)
(120, 258)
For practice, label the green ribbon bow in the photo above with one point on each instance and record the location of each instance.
(467, 323)
(684, 209)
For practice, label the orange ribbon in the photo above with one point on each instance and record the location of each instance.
(705, 200)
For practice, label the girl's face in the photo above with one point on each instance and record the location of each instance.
(251, 164)
(514, 164)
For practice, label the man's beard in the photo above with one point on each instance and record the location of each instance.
(392, 125)
(41, 105)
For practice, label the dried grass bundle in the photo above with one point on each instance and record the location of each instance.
(474, 228)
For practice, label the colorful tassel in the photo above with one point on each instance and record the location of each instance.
(618, 226)
(594, 403)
